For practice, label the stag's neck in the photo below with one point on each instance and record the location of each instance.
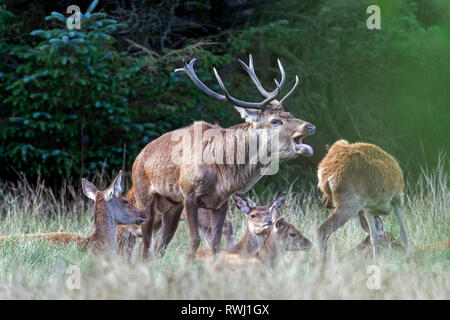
(249, 244)
(244, 175)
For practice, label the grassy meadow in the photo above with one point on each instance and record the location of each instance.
(38, 270)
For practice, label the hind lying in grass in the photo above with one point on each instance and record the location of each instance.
(267, 236)
(110, 209)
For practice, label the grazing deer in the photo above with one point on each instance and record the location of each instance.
(110, 209)
(267, 236)
(359, 176)
(168, 175)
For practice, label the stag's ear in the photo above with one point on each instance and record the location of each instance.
(241, 203)
(89, 189)
(115, 188)
(249, 115)
(278, 202)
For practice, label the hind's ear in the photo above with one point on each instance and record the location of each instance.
(241, 203)
(89, 189)
(115, 188)
(275, 213)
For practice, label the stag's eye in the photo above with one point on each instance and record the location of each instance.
(252, 215)
(292, 234)
(277, 122)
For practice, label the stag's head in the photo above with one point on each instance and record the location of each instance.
(268, 114)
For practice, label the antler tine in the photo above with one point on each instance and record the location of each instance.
(251, 72)
(189, 70)
(244, 104)
(283, 74)
(291, 91)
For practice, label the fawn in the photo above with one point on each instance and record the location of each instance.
(266, 236)
(359, 176)
(110, 209)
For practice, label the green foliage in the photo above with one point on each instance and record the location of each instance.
(70, 100)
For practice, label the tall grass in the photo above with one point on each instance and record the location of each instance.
(37, 270)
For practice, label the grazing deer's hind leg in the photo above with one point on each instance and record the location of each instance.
(170, 220)
(373, 233)
(217, 220)
(397, 205)
(340, 215)
(190, 203)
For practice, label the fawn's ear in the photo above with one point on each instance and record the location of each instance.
(241, 203)
(280, 222)
(115, 188)
(278, 202)
(89, 189)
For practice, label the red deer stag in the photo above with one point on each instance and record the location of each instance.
(359, 176)
(110, 209)
(170, 174)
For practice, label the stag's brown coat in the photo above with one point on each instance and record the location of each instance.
(164, 185)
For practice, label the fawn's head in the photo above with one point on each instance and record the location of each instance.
(268, 114)
(110, 205)
(285, 236)
(259, 219)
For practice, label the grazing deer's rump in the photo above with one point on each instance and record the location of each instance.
(359, 176)
(110, 209)
(167, 176)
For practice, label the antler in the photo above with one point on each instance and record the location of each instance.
(251, 72)
(189, 70)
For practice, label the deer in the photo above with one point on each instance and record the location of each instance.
(359, 176)
(168, 175)
(110, 209)
(267, 236)
(127, 234)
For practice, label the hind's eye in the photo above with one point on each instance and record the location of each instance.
(277, 122)
(292, 234)
(252, 215)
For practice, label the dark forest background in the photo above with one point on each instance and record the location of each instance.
(78, 102)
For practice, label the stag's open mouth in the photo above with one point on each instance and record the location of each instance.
(300, 147)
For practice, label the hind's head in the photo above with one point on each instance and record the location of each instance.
(110, 205)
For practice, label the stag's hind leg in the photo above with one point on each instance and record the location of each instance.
(170, 219)
(217, 221)
(190, 203)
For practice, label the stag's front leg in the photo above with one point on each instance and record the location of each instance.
(217, 220)
(191, 206)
